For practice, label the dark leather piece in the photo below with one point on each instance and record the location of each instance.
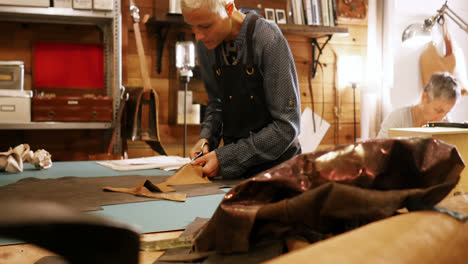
(78, 237)
(86, 194)
(265, 250)
(260, 253)
(331, 191)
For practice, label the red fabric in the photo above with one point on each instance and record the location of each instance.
(68, 65)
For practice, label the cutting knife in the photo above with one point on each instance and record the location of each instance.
(199, 153)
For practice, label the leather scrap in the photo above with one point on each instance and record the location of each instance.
(12, 160)
(148, 189)
(332, 191)
(188, 174)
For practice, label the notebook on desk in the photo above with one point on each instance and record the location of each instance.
(448, 124)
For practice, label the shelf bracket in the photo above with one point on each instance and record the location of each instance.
(161, 35)
(316, 52)
(161, 30)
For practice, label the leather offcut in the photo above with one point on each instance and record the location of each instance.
(188, 174)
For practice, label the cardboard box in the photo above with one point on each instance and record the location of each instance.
(107, 5)
(15, 110)
(63, 3)
(38, 3)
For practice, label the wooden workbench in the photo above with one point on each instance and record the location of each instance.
(454, 136)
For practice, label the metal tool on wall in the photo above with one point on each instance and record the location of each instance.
(143, 105)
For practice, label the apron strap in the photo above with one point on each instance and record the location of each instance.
(250, 30)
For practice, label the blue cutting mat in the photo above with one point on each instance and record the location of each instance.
(72, 168)
(152, 216)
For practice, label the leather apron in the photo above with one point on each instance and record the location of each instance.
(244, 109)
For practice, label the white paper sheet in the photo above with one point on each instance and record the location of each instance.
(146, 163)
(308, 139)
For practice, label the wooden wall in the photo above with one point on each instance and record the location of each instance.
(335, 103)
(16, 43)
(325, 93)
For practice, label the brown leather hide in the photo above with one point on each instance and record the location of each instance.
(320, 194)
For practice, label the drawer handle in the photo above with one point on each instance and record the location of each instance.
(7, 108)
(51, 115)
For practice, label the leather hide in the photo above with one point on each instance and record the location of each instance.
(325, 193)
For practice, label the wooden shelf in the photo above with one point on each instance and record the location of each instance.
(54, 15)
(302, 30)
(161, 19)
(311, 31)
(55, 125)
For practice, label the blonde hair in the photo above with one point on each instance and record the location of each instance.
(215, 6)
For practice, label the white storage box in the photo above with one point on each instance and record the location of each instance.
(12, 75)
(43, 3)
(15, 106)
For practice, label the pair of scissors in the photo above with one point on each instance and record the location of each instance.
(199, 153)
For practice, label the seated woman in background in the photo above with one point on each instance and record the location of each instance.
(439, 96)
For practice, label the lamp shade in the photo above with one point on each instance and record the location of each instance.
(185, 54)
(185, 57)
(350, 70)
(416, 33)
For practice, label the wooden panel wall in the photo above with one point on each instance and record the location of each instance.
(16, 43)
(331, 103)
(325, 93)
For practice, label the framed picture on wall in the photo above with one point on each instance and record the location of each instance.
(280, 16)
(270, 14)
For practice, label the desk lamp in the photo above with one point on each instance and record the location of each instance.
(185, 62)
(423, 31)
